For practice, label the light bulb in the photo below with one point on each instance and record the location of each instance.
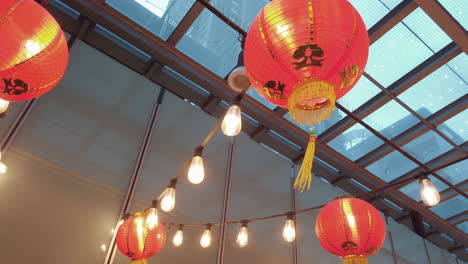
(168, 199)
(3, 168)
(243, 236)
(429, 194)
(196, 172)
(3, 105)
(205, 240)
(232, 122)
(178, 237)
(151, 218)
(289, 231)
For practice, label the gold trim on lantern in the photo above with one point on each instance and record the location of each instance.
(355, 259)
(262, 34)
(311, 20)
(354, 28)
(349, 75)
(139, 261)
(10, 11)
(312, 101)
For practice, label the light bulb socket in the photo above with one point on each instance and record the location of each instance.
(424, 177)
(244, 223)
(126, 216)
(290, 215)
(181, 227)
(236, 100)
(154, 204)
(198, 151)
(173, 183)
(208, 226)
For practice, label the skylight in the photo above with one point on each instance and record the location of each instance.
(157, 7)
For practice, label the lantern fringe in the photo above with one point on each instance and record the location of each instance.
(139, 261)
(355, 259)
(304, 177)
(301, 102)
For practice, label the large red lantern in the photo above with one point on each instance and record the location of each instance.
(33, 50)
(136, 240)
(304, 55)
(350, 228)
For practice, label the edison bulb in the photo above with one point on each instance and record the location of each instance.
(205, 240)
(178, 238)
(232, 122)
(168, 199)
(151, 218)
(3, 105)
(3, 168)
(429, 194)
(196, 172)
(243, 237)
(289, 231)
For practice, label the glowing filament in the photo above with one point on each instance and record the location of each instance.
(196, 172)
(232, 122)
(168, 199)
(243, 237)
(429, 194)
(289, 231)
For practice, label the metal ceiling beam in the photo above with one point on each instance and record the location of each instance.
(186, 22)
(415, 131)
(459, 218)
(404, 83)
(445, 21)
(391, 19)
(449, 193)
(167, 54)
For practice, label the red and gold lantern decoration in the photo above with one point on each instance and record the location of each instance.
(304, 55)
(140, 240)
(351, 229)
(33, 50)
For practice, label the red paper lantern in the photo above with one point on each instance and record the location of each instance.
(33, 50)
(304, 55)
(350, 228)
(138, 242)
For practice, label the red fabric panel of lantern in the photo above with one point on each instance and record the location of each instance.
(294, 40)
(350, 226)
(34, 52)
(136, 241)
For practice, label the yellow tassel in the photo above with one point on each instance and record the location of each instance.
(355, 259)
(139, 261)
(304, 177)
(311, 102)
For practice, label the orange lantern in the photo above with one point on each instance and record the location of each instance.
(351, 229)
(33, 50)
(304, 55)
(138, 240)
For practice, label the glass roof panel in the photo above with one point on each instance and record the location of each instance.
(241, 12)
(456, 128)
(450, 207)
(463, 227)
(395, 54)
(390, 4)
(363, 91)
(412, 189)
(371, 11)
(426, 30)
(391, 166)
(160, 17)
(458, 9)
(427, 146)
(456, 173)
(355, 142)
(324, 125)
(212, 43)
(436, 91)
(391, 119)
(460, 66)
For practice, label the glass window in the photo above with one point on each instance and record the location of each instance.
(252, 93)
(451, 207)
(355, 142)
(391, 166)
(426, 30)
(455, 173)
(434, 92)
(391, 119)
(212, 43)
(413, 190)
(427, 146)
(463, 227)
(460, 66)
(241, 12)
(390, 4)
(361, 93)
(160, 17)
(371, 11)
(395, 54)
(458, 9)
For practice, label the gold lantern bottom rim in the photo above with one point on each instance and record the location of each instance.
(312, 101)
(355, 259)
